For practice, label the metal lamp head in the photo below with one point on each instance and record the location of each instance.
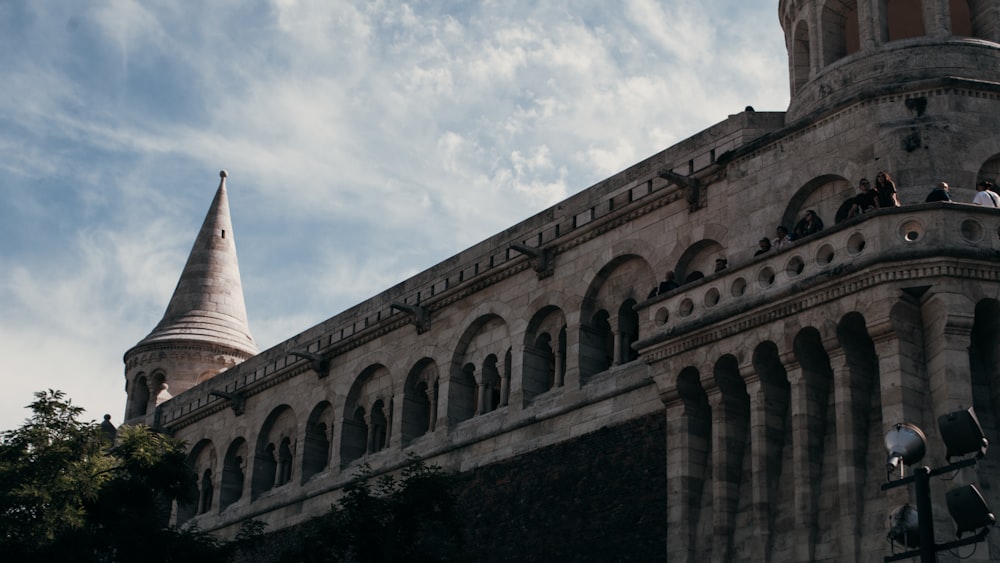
(906, 444)
(968, 509)
(962, 434)
(904, 526)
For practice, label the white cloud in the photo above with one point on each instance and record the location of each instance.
(365, 141)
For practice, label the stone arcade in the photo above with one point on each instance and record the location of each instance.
(762, 390)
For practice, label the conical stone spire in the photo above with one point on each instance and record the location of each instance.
(207, 304)
(204, 330)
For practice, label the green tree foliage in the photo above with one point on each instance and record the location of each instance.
(68, 494)
(385, 519)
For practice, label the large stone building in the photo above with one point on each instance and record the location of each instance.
(738, 417)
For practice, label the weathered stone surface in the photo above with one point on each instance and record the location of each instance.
(748, 405)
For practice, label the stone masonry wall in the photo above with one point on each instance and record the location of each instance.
(600, 498)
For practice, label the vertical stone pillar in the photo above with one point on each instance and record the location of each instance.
(759, 466)
(937, 18)
(432, 397)
(805, 486)
(617, 339)
(688, 449)
(504, 372)
(372, 447)
(722, 487)
(947, 321)
(869, 35)
(848, 478)
(681, 520)
(557, 364)
(482, 392)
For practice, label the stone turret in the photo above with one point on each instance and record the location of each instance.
(850, 50)
(204, 329)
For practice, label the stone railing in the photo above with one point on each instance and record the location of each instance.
(904, 233)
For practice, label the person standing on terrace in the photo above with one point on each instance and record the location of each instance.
(985, 195)
(886, 189)
(939, 193)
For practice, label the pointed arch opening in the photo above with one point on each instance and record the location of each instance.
(420, 393)
(316, 444)
(233, 473)
(273, 454)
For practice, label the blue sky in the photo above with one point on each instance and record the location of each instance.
(365, 141)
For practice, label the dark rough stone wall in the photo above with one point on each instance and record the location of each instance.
(600, 497)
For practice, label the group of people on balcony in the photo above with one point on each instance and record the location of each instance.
(881, 195)
(871, 198)
(984, 194)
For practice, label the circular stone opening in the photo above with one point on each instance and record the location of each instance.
(661, 317)
(738, 288)
(712, 297)
(765, 278)
(686, 307)
(972, 230)
(824, 255)
(794, 266)
(911, 231)
(856, 244)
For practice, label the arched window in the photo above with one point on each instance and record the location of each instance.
(462, 395)
(139, 397)
(628, 331)
(800, 57)
(598, 346)
(961, 18)
(207, 492)
(420, 400)
(233, 472)
(379, 427)
(354, 442)
(905, 19)
(264, 470)
(316, 444)
(284, 469)
(491, 380)
(840, 30)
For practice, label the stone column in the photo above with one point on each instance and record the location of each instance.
(617, 339)
(869, 32)
(721, 486)
(947, 323)
(557, 364)
(504, 374)
(432, 397)
(482, 392)
(803, 422)
(849, 476)
(758, 465)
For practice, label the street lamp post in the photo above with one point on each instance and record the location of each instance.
(906, 444)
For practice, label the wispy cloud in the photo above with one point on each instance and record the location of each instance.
(366, 140)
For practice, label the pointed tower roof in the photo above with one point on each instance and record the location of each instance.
(207, 304)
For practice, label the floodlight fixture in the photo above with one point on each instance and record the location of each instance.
(968, 509)
(906, 444)
(904, 526)
(962, 434)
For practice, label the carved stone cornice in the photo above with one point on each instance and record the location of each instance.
(186, 350)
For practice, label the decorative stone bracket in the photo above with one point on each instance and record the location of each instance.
(544, 264)
(421, 316)
(318, 362)
(236, 400)
(691, 185)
